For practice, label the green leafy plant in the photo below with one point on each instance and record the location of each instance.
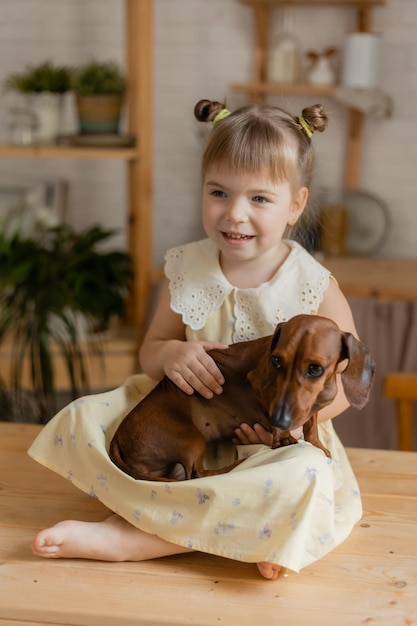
(96, 78)
(40, 78)
(45, 282)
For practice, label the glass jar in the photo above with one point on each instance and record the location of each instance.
(284, 63)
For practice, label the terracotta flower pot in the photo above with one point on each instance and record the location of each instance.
(99, 113)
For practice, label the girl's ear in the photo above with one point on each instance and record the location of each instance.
(298, 204)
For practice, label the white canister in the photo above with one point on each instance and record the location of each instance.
(361, 64)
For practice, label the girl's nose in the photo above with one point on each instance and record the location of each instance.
(236, 212)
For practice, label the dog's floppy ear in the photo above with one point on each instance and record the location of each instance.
(275, 337)
(260, 377)
(358, 376)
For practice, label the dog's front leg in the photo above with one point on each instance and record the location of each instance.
(282, 438)
(311, 434)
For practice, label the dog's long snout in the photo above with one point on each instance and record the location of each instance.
(281, 417)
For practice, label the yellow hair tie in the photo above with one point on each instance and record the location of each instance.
(221, 115)
(306, 128)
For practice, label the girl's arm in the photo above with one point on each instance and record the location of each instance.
(166, 351)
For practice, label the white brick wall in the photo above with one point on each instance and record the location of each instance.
(200, 48)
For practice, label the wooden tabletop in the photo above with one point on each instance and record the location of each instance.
(370, 579)
(384, 278)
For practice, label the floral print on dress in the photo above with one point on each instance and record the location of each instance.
(103, 481)
(92, 493)
(323, 539)
(311, 473)
(176, 517)
(202, 497)
(265, 532)
(223, 528)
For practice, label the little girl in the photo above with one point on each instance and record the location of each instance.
(282, 508)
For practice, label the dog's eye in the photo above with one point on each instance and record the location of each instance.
(276, 362)
(315, 370)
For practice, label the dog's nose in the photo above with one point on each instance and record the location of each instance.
(281, 417)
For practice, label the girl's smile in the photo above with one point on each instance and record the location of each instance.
(236, 238)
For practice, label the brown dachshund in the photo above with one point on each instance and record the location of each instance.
(280, 381)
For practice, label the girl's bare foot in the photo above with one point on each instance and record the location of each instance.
(114, 539)
(269, 570)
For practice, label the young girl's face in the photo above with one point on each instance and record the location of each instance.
(246, 215)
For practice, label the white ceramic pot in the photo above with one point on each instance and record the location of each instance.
(47, 110)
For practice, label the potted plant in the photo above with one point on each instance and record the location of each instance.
(47, 282)
(43, 87)
(99, 88)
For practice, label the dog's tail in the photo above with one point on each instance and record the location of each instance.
(116, 457)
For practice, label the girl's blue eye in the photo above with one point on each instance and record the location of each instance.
(260, 199)
(217, 193)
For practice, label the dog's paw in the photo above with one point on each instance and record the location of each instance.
(284, 439)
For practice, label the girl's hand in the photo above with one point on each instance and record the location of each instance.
(246, 435)
(189, 366)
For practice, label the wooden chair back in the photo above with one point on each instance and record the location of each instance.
(402, 387)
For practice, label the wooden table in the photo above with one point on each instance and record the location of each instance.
(370, 579)
(383, 278)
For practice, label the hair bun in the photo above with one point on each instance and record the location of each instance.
(206, 110)
(315, 117)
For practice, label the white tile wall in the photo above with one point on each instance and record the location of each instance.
(200, 48)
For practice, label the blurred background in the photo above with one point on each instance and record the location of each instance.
(366, 160)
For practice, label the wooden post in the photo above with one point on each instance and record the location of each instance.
(353, 150)
(262, 14)
(405, 424)
(139, 53)
(262, 26)
(354, 141)
(364, 18)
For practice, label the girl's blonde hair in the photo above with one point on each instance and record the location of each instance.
(262, 139)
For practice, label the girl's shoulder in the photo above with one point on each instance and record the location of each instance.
(300, 262)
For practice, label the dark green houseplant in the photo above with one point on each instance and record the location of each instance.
(99, 88)
(45, 77)
(46, 281)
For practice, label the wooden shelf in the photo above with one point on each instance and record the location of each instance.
(271, 88)
(356, 3)
(67, 152)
